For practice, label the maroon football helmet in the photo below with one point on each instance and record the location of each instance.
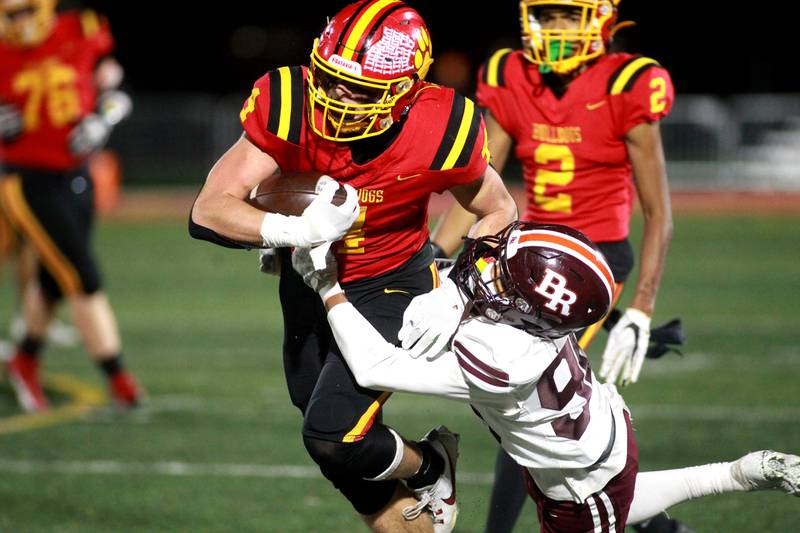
(547, 279)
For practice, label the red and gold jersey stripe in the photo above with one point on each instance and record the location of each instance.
(625, 76)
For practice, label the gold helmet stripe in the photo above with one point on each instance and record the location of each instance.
(361, 26)
(620, 80)
(493, 75)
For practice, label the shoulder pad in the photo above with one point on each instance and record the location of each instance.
(285, 113)
(624, 77)
(494, 68)
(463, 127)
(90, 23)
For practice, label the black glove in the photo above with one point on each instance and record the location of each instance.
(664, 338)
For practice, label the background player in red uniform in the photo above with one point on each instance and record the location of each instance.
(363, 115)
(584, 123)
(58, 78)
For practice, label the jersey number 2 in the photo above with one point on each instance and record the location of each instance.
(566, 377)
(545, 154)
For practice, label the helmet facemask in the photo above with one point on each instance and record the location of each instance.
(368, 114)
(563, 50)
(490, 288)
(26, 23)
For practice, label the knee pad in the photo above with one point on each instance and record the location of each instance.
(373, 458)
(351, 466)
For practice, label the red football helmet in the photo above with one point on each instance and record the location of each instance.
(563, 50)
(547, 279)
(371, 55)
(26, 23)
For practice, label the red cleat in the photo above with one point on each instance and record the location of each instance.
(23, 373)
(124, 390)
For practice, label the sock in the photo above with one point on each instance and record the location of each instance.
(111, 366)
(429, 471)
(30, 347)
(657, 491)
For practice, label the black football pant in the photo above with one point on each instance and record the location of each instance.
(509, 492)
(54, 212)
(342, 422)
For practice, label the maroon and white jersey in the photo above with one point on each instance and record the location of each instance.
(538, 395)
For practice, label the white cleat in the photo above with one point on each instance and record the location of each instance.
(439, 498)
(768, 470)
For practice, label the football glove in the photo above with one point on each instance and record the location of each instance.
(318, 268)
(10, 122)
(93, 131)
(90, 134)
(431, 319)
(626, 347)
(269, 262)
(667, 337)
(320, 222)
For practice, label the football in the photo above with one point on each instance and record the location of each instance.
(291, 193)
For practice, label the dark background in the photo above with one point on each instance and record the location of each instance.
(190, 46)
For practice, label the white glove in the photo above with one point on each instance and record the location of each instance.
(10, 122)
(626, 348)
(93, 131)
(318, 268)
(431, 319)
(114, 106)
(320, 222)
(90, 134)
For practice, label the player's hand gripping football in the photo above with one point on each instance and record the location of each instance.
(626, 348)
(431, 319)
(318, 268)
(325, 222)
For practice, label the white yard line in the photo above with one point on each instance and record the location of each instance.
(181, 469)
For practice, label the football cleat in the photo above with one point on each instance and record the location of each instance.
(124, 390)
(439, 498)
(768, 470)
(23, 373)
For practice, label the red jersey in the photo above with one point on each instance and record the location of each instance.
(575, 163)
(441, 143)
(53, 87)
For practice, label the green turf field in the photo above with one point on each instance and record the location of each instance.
(218, 447)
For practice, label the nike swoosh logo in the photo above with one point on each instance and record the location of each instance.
(598, 105)
(390, 291)
(404, 178)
